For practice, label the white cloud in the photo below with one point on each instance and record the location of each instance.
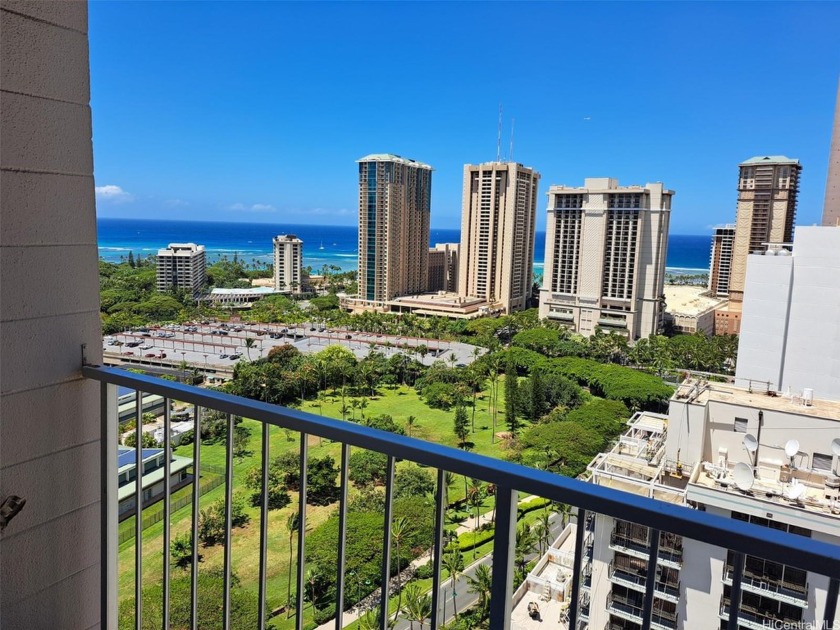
(257, 207)
(113, 194)
(176, 203)
(263, 207)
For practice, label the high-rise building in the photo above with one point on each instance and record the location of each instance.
(394, 208)
(767, 191)
(605, 252)
(498, 215)
(182, 266)
(443, 267)
(831, 209)
(288, 264)
(720, 265)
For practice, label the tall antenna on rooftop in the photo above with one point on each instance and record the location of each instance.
(499, 137)
(512, 125)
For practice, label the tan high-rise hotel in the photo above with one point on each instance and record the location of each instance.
(498, 215)
(605, 252)
(394, 207)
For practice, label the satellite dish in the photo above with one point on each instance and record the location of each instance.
(794, 491)
(750, 443)
(792, 448)
(835, 446)
(742, 474)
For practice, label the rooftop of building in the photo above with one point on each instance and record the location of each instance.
(391, 157)
(769, 159)
(605, 184)
(288, 237)
(700, 392)
(689, 300)
(191, 247)
(636, 463)
(250, 291)
(548, 587)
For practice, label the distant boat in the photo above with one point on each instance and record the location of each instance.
(322, 245)
(334, 244)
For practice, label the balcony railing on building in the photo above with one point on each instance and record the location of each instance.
(650, 529)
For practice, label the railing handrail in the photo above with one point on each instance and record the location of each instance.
(783, 547)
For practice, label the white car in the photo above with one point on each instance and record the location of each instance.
(146, 346)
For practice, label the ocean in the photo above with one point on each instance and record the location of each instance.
(323, 244)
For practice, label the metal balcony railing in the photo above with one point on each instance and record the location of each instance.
(509, 479)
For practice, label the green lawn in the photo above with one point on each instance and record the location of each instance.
(431, 424)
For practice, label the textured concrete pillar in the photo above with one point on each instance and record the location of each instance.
(49, 307)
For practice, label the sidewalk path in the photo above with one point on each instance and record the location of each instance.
(463, 597)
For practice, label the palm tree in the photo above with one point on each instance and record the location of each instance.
(410, 423)
(418, 605)
(362, 406)
(475, 497)
(453, 562)
(370, 620)
(480, 585)
(399, 530)
(448, 480)
(249, 343)
(293, 525)
(525, 542)
(542, 530)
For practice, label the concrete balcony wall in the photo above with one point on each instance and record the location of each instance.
(49, 307)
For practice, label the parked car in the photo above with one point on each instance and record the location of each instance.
(151, 355)
(129, 353)
(162, 355)
(223, 356)
(234, 357)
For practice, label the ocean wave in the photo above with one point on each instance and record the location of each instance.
(686, 270)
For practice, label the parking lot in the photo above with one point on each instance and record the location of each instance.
(210, 346)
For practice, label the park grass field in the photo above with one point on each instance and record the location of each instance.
(400, 402)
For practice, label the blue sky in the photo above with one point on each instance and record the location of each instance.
(257, 111)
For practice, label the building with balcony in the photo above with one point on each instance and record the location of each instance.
(394, 213)
(498, 215)
(288, 264)
(182, 266)
(768, 187)
(697, 455)
(720, 263)
(605, 252)
(443, 267)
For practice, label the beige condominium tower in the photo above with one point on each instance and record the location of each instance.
(499, 212)
(288, 264)
(605, 251)
(182, 266)
(394, 206)
(767, 189)
(720, 263)
(831, 209)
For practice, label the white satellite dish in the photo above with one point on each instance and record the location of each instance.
(742, 474)
(791, 448)
(835, 446)
(750, 443)
(794, 491)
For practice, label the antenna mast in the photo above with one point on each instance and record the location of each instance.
(499, 137)
(512, 125)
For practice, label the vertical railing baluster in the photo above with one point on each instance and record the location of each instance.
(735, 591)
(263, 527)
(138, 513)
(504, 550)
(167, 506)
(228, 520)
(108, 452)
(301, 566)
(650, 579)
(196, 496)
(440, 515)
(342, 534)
(831, 604)
(386, 545)
(577, 562)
